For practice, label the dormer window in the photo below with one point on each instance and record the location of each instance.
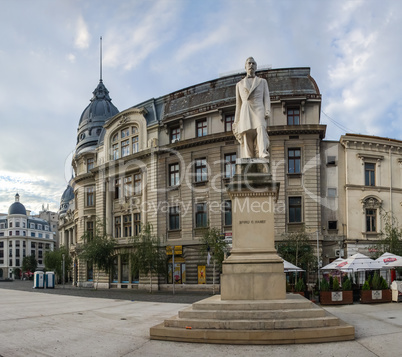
(90, 164)
(293, 115)
(174, 134)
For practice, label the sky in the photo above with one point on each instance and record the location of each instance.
(49, 66)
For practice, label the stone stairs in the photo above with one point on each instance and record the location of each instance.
(293, 320)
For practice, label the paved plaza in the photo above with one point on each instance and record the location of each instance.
(85, 322)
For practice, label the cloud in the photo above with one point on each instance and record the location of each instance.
(82, 36)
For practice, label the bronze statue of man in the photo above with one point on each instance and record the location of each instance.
(253, 108)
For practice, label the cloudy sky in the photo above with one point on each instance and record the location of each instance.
(49, 66)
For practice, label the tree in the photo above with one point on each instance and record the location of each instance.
(29, 264)
(98, 248)
(146, 255)
(296, 249)
(54, 260)
(391, 241)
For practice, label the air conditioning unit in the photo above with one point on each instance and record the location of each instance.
(339, 253)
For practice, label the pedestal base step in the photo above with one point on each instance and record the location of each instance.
(289, 321)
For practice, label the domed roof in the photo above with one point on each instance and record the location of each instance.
(94, 116)
(67, 196)
(17, 207)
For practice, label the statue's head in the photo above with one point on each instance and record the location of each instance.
(251, 65)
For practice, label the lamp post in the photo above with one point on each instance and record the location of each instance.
(63, 255)
(318, 262)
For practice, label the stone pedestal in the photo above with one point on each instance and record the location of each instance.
(254, 271)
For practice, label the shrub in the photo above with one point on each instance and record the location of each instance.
(347, 284)
(331, 282)
(324, 285)
(335, 284)
(366, 285)
(299, 287)
(384, 284)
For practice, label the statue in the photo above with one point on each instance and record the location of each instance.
(253, 108)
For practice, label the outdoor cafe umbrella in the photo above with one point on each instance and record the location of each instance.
(395, 264)
(332, 266)
(289, 267)
(386, 259)
(357, 262)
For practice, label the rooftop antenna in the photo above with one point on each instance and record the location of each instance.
(100, 56)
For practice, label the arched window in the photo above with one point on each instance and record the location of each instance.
(371, 208)
(125, 142)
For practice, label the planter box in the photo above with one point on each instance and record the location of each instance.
(375, 296)
(336, 297)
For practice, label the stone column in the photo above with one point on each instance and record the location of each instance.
(254, 271)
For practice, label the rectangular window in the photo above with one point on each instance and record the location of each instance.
(332, 225)
(137, 224)
(115, 149)
(294, 161)
(293, 116)
(125, 148)
(200, 170)
(228, 213)
(369, 174)
(125, 270)
(135, 144)
(174, 174)
(117, 227)
(371, 220)
(201, 215)
(125, 133)
(230, 165)
(90, 196)
(137, 184)
(90, 164)
(174, 218)
(128, 186)
(127, 225)
(332, 192)
(201, 128)
(17, 224)
(90, 229)
(117, 188)
(174, 134)
(229, 120)
(295, 210)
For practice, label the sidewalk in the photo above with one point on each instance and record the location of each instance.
(53, 324)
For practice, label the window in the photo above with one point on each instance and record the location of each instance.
(127, 225)
(90, 196)
(17, 224)
(137, 184)
(115, 149)
(369, 174)
(90, 229)
(125, 133)
(125, 148)
(229, 120)
(32, 234)
(228, 213)
(230, 165)
(117, 227)
(32, 226)
(294, 161)
(201, 128)
(174, 134)
(371, 220)
(137, 224)
(293, 115)
(40, 226)
(135, 144)
(174, 174)
(201, 215)
(128, 186)
(332, 225)
(200, 170)
(332, 192)
(117, 188)
(17, 233)
(295, 211)
(331, 160)
(10, 224)
(174, 218)
(90, 164)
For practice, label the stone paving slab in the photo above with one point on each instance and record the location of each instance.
(52, 324)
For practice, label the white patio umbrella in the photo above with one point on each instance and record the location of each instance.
(332, 266)
(289, 267)
(357, 262)
(387, 258)
(395, 264)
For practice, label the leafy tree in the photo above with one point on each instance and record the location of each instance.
(146, 255)
(296, 249)
(54, 260)
(391, 241)
(98, 248)
(29, 263)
